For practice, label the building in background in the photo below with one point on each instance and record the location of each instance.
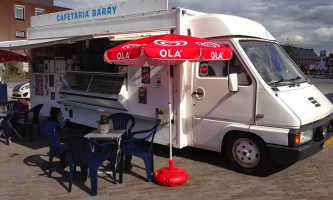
(305, 58)
(15, 18)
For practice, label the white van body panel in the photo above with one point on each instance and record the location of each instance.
(276, 113)
(217, 25)
(271, 135)
(307, 102)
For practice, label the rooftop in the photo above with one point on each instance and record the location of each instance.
(303, 53)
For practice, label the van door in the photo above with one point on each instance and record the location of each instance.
(214, 107)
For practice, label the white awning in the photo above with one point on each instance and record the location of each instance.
(27, 44)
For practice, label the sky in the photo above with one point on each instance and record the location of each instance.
(304, 23)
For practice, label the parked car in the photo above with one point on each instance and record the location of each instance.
(22, 90)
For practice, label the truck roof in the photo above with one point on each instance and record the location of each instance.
(217, 25)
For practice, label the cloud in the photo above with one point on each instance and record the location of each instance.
(325, 33)
(298, 38)
(321, 14)
(291, 37)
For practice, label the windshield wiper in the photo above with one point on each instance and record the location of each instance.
(283, 80)
(278, 82)
(294, 79)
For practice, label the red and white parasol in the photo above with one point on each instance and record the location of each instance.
(11, 57)
(167, 50)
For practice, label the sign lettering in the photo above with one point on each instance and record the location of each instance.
(216, 55)
(73, 14)
(112, 9)
(167, 53)
(121, 56)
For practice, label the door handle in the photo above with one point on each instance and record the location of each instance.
(198, 93)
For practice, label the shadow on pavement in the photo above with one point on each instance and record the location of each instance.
(58, 174)
(41, 142)
(38, 143)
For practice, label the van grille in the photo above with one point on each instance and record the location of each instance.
(314, 101)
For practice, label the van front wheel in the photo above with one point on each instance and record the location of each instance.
(247, 154)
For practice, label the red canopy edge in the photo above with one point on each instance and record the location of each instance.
(11, 57)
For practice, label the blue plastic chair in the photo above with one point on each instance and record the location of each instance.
(17, 107)
(85, 153)
(122, 121)
(4, 127)
(29, 123)
(135, 145)
(126, 122)
(49, 130)
(13, 105)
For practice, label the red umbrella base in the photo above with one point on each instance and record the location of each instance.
(170, 176)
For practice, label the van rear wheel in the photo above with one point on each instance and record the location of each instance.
(248, 154)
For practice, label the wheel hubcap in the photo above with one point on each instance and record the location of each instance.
(61, 119)
(246, 153)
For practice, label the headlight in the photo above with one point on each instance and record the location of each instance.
(304, 137)
(25, 87)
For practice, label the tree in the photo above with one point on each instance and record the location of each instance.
(291, 50)
(12, 69)
(13, 72)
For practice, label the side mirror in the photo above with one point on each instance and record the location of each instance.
(233, 82)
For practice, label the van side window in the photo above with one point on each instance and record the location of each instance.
(214, 68)
(235, 66)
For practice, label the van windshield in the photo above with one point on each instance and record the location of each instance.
(272, 63)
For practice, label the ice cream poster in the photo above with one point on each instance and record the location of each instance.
(145, 75)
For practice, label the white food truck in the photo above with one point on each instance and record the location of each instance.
(273, 114)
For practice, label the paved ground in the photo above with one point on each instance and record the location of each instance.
(23, 167)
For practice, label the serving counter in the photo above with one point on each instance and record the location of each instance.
(96, 88)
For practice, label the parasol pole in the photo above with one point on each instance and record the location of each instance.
(170, 114)
(170, 176)
(170, 138)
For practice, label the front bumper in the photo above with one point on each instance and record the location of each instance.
(20, 95)
(289, 155)
(292, 153)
